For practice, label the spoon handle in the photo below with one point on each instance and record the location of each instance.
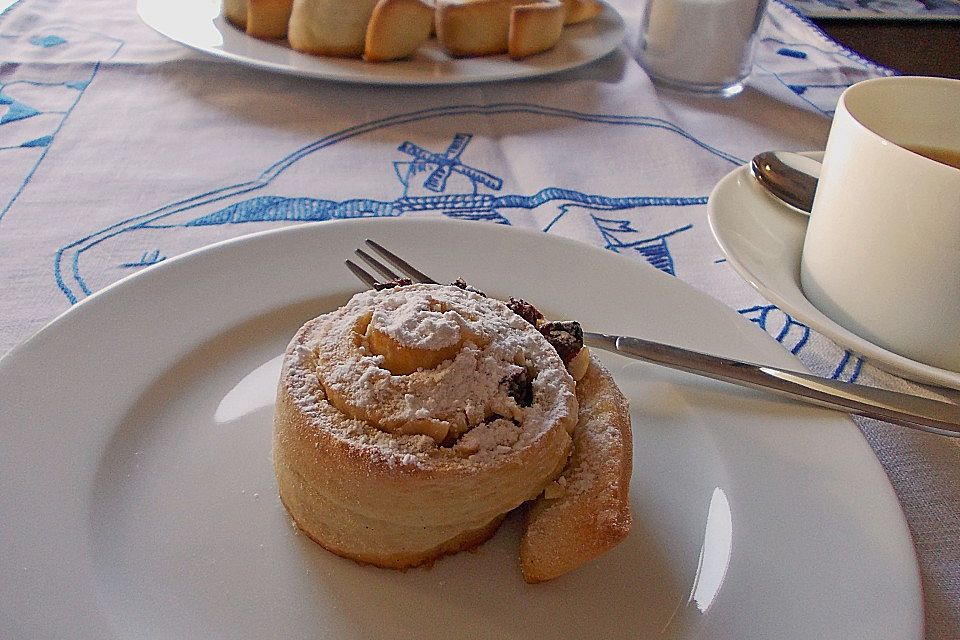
(891, 406)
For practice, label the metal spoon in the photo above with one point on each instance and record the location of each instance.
(788, 176)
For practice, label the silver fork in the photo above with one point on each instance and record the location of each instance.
(904, 409)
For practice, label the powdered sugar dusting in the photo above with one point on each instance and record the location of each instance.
(418, 322)
(465, 393)
(598, 443)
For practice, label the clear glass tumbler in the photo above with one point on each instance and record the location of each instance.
(703, 46)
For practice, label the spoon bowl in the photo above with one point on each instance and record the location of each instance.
(790, 177)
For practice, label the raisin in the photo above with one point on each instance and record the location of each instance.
(461, 283)
(525, 310)
(519, 387)
(566, 337)
(390, 284)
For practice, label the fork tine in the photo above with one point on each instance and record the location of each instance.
(405, 267)
(358, 271)
(379, 267)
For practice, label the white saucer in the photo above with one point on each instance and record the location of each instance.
(763, 240)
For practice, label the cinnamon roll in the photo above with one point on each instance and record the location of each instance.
(411, 420)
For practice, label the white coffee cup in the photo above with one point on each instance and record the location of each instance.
(881, 255)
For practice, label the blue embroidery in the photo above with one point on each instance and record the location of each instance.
(47, 41)
(821, 97)
(445, 165)
(479, 216)
(848, 357)
(446, 183)
(791, 334)
(791, 53)
(38, 142)
(654, 249)
(277, 208)
(7, 10)
(40, 133)
(145, 260)
(15, 110)
(831, 43)
(268, 209)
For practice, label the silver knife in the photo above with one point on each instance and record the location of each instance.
(904, 409)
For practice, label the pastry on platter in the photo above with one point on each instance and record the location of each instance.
(384, 30)
(535, 28)
(236, 12)
(330, 27)
(265, 19)
(396, 29)
(413, 419)
(586, 512)
(486, 27)
(581, 10)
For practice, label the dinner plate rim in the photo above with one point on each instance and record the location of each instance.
(105, 295)
(412, 73)
(793, 301)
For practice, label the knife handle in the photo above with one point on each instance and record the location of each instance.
(904, 409)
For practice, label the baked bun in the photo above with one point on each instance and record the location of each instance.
(383, 30)
(265, 19)
(268, 19)
(486, 27)
(236, 12)
(394, 464)
(535, 28)
(396, 29)
(581, 10)
(330, 27)
(586, 511)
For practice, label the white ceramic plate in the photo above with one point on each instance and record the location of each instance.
(199, 25)
(763, 239)
(139, 499)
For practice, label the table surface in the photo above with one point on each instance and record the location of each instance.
(912, 47)
(120, 149)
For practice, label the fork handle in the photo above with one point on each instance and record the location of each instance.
(904, 409)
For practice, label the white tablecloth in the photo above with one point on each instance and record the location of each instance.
(120, 149)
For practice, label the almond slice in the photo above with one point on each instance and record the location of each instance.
(591, 515)
(267, 19)
(397, 28)
(535, 28)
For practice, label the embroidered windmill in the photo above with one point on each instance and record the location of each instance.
(443, 166)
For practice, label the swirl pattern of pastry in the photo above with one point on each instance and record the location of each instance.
(411, 420)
